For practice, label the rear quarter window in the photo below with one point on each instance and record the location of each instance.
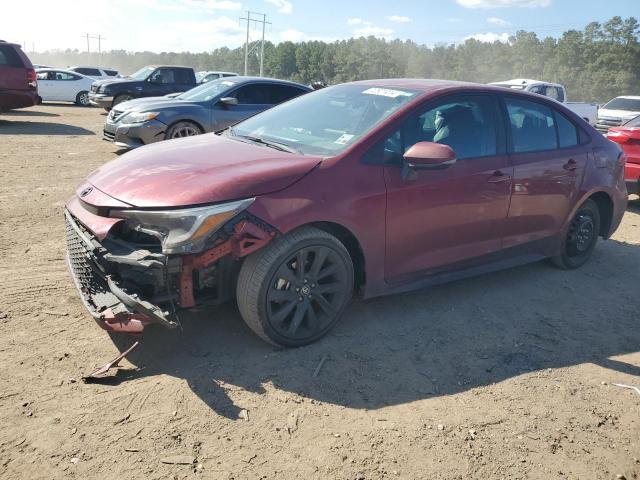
(567, 131)
(9, 57)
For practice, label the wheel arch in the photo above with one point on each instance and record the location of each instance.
(605, 207)
(351, 243)
(190, 120)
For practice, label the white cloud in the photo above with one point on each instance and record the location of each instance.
(368, 30)
(283, 6)
(399, 19)
(357, 21)
(501, 22)
(205, 4)
(504, 3)
(292, 36)
(489, 37)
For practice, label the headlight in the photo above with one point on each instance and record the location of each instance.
(140, 117)
(102, 89)
(186, 230)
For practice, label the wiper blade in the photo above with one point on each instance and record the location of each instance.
(283, 147)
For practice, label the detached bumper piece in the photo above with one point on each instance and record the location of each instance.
(112, 307)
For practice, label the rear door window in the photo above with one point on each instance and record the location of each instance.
(533, 127)
(9, 57)
(182, 76)
(254, 94)
(92, 72)
(282, 93)
(111, 73)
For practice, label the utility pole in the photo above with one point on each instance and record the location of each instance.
(264, 22)
(88, 50)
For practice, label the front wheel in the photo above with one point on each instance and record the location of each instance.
(121, 98)
(82, 99)
(581, 238)
(294, 290)
(182, 129)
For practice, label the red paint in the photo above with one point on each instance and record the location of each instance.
(629, 140)
(405, 228)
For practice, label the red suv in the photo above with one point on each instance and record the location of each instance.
(379, 187)
(628, 136)
(18, 86)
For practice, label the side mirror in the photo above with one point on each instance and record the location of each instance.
(427, 155)
(228, 101)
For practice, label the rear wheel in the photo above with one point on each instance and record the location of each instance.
(293, 291)
(182, 129)
(82, 99)
(581, 238)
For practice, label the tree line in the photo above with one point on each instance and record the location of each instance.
(595, 64)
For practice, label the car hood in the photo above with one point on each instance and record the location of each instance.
(199, 170)
(113, 80)
(154, 104)
(626, 114)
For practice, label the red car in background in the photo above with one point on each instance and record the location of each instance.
(18, 85)
(376, 187)
(628, 137)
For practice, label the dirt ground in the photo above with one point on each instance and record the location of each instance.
(505, 376)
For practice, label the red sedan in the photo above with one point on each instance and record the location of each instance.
(372, 187)
(628, 137)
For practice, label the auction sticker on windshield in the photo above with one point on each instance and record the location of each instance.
(344, 139)
(387, 92)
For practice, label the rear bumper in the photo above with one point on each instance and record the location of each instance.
(134, 135)
(112, 308)
(12, 99)
(632, 177)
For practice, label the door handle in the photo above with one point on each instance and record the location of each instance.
(571, 165)
(498, 177)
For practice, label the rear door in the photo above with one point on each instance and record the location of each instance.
(448, 216)
(549, 165)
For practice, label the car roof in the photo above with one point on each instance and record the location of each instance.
(629, 97)
(88, 66)
(239, 79)
(168, 66)
(53, 69)
(218, 71)
(517, 82)
(429, 85)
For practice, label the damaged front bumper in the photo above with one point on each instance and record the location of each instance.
(112, 307)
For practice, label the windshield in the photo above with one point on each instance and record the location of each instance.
(620, 103)
(326, 121)
(634, 122)
(207, 91)
(142, 74)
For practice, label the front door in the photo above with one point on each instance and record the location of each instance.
(443, 217)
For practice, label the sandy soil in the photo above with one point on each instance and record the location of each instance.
(509, 375)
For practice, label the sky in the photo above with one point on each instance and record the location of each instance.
(203, 25)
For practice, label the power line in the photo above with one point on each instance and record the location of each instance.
(263, 22)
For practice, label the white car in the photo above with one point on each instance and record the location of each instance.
(63, 86)
(207, 76)
(587, 111)
(96, 72)
(617, 112)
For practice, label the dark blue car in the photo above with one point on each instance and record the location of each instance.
(209, 107)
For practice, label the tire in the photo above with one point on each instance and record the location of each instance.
(581, 238)
(290, 306)
(120, 99)
(182, 129)
(82, 99)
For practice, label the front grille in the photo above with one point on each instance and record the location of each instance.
(80, 261)
(108, 135)
(114, 115)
